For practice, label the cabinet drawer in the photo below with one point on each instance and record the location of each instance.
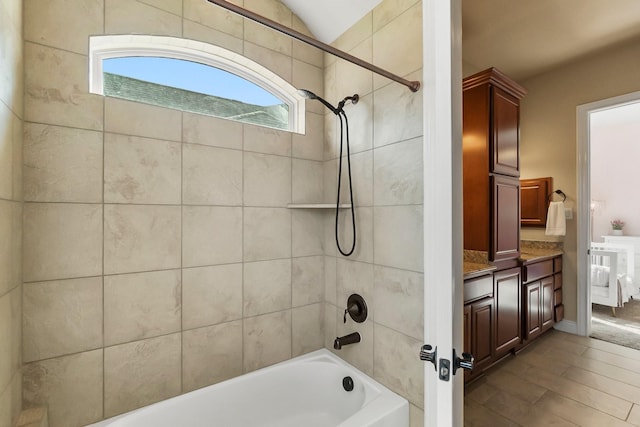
(538, 270)
(481, 287)
(557, 297)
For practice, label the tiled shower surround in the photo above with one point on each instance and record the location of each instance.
(11, 115)
(159, 253)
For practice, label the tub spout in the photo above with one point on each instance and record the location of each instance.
(346, 340)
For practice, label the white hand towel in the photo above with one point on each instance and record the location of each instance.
(556, 222)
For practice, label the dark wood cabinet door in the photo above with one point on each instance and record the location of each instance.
(547, 305)
(506, 296)
(533, 326)
(482, 331)
(505, 141)
(505, 218)
(467, 336)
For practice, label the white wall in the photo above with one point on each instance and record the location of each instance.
(615, 151)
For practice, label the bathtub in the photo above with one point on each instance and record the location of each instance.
(307, 391)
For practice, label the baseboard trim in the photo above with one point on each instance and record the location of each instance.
(568, 326)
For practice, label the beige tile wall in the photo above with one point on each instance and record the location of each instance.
(11, 125)
(160, 256)
(386, 139)
(162, 240)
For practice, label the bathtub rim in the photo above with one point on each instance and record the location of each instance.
(382, 391)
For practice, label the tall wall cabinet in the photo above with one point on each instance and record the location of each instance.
(491, 164)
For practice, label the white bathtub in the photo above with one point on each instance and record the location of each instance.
(303, 392)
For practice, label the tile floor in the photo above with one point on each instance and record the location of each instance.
(560, 380)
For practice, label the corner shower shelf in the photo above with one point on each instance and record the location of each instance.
(317, 206)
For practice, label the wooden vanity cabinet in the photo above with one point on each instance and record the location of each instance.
(491, 164)
(542, 301)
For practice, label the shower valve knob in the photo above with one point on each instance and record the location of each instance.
(356, 309)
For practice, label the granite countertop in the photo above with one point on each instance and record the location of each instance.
(474, 269)
(529, 255)
(476, 263)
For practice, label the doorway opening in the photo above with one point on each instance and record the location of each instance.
(609, 228)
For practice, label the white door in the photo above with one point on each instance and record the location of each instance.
(442, 92)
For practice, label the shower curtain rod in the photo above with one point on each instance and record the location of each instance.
(413, 85)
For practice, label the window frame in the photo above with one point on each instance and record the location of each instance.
(116, 46)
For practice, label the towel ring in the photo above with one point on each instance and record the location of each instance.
(560, 193)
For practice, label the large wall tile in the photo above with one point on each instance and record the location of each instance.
(172, 6)
(400, 245)
(210, 355)
(398, 173)
(276, 62)
(267, 286)
(211, 295)
(62, 317)
(215, 17)
(389, 10)
(266, 140)
(10, 336)
(397, 114)
(307, 76)
(62, 241)
(195, 31)
(70, 386)
(18, 157)
(359, 355)
(140, 373)
(307, 232)
(141, 238)
(6, 152)
(141, 305)
(62, 164)
(396, 366)
(56, 89)
(267, 340)
(11, 49)
(307, 279)
(304, 51)
(307, 182)
(267, 38)
(310, 146)
(140, 170)
(47, 23)
(135, 118)
(354, 278)
(11, 401)
(267, 180)
(364, 233)
(398, 300)
(267, 233)
(362, 174)
(307, 333)
(351, 78)
(330, 279)
(397, 46)
(211, 235)
(212, 131)
(211, 176)
(134, 17)
(8, 248)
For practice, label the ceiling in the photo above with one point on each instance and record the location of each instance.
(522, 38)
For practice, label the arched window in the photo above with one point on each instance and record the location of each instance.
(193, 76)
